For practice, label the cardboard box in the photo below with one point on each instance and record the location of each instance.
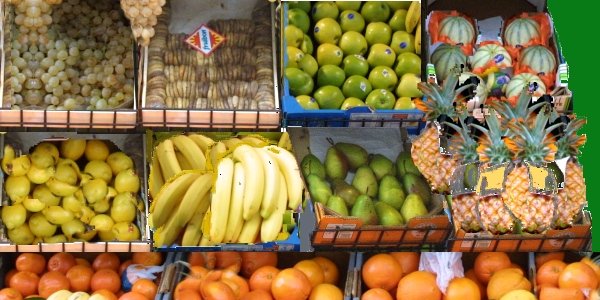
(335, 231)
(493, 14)
(120, 118)
(132, 144)
(187, 16)
(292, 243)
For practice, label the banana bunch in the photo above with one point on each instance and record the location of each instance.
(243, 192)
(413, 21)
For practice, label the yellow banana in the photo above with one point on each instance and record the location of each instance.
(285, 142)
(418, 39)
(190, 151)
(169, 196)
(272, 183)
(194, 197)
(293, 179)
(235, 220)
(9, 155)
(165, 151)
(202, 141)
(271, 226)
(193, 230)
(255, 177)
(156, 181)
(413, 16)
(221, 199)
(183, 162)
(166, 235)
(255, 141)
(237, 232)
(231, 143)
(216, 151)
(205, 241)
(250, 230)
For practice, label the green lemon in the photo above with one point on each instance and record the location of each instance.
(381, 55)
(348, 5)
(357, 87)
(309, 65)
(295, 55)
(329, 97)
(324, 9)
(375, 11)
(408, 62)
(398, 20)
(355, 65)
(329, 54)
(330, 75)
(378, 33)
(300, 82)
(352, 102)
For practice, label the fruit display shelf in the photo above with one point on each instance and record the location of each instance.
(490, 50)
(337, 267)
(296, 115)
(241, 179)
(79, 237)
(66, 103)
(413, 219)
(232, 87)
(565, 263)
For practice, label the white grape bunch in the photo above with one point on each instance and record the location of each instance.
(143, 15)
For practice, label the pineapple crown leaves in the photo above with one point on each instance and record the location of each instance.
(533, 142)
(569, 143)
(468, 148)
(440, 100)
(494, 149)
(520, 111)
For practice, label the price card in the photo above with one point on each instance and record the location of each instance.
(205, 40)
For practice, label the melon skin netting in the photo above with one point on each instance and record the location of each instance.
(446, 266)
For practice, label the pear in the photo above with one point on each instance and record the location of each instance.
(391, 192)
(413, 207)
(40, 176)
(405, 164)
(95, 190)
(336, 165)
(364, 209)
(381, 166)
(17, 188)
(312, 165)
(73, 148)
(123, 208)
(318, 188)
(72, 228)
(33, 204)
(338, 205)
(347, 192)
(14, 216)
(57, 215)
(414, 184)
(21, 235)
(55, 239)
(127, 181)
(356, 155)
(388, 216)
(99, 169)
(66, 173)
(119, 161)
(102, 222)
(43, 193)
(365, 181)
(126, 232)
(40, 226)
(19, 166)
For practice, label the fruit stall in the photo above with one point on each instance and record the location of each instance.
(356, 150)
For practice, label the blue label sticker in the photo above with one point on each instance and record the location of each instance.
(388, 51)
(316, 29)
(403, 45)
(350, 16)
(503, 79)
(498, 58)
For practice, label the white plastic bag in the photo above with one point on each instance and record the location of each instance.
(447, 266)
(135, 272)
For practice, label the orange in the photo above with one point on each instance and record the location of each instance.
(326, 291)
(312, 270)
(227, 259)
(238, 284)
(578, 275)
(262, 278)
(79, 278)
(189, 283)
(132, 296)
(124, 265)
(10, 294)
(106, 279)
(381, 271)
(290, 284)
(482, 290)
(548, 272)
(198, 271)
(541, 258)
(31, 262)
(61, 262)
(257, 295)
(147, 258)
(196, 259)
(217, 290)
(251, 261)
(188, 295)
(83, 262)
(376, 294)
(25, 282)
(486, 263)
(418, 285)
(462, 289)
(507, 280)
(408, 260)
(593, 265)
(330, 269)
(8, 276)
(106, 294)
(145, 287)
(106, 261)
(51, 282)
(554, 293)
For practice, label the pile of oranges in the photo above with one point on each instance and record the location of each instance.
(256, 276)
(33, 275)
(557, 279)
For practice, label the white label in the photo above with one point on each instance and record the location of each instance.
(340, 234)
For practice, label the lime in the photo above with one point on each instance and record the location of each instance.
(293, 36)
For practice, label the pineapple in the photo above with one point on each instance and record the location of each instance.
(571, 198)
(464, 206)
(495, 217)
(532, 143)
(439, 104)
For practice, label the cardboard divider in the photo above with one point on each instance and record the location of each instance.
(131, 144)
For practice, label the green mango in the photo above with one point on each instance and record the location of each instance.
(312, 165)
(388, 216)
(338, 205)
(391, 192)
(318, 188)
(364, 209)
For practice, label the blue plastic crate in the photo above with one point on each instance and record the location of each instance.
(295, 115)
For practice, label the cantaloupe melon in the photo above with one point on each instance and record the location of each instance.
(539, 59)
(447, 57)
(491, 52)
(516, 85)
(520, 31)
(457, 29)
